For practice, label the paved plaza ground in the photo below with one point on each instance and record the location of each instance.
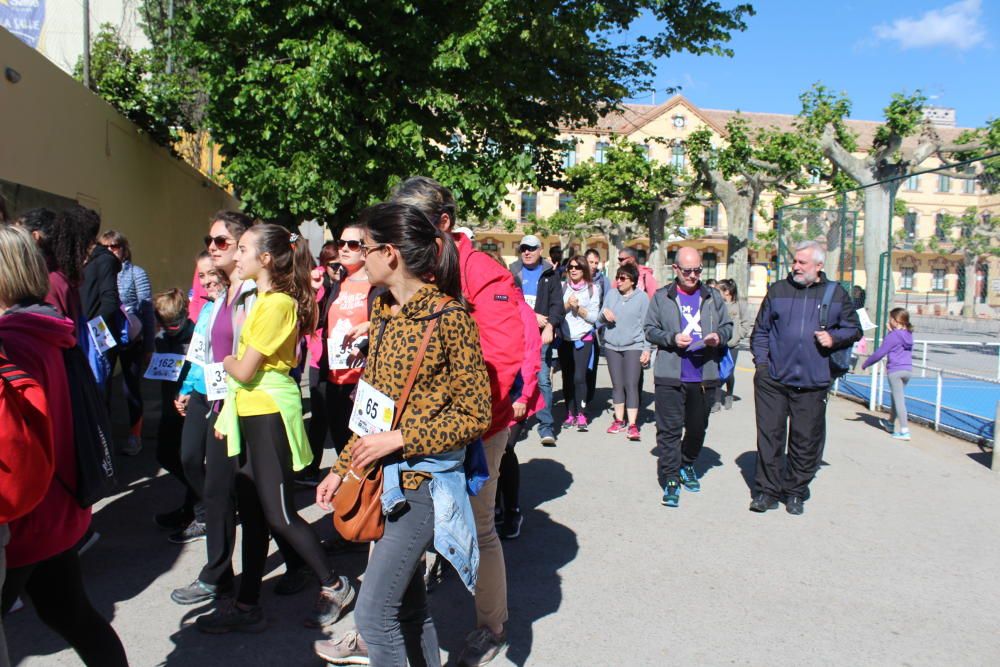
(893, 562)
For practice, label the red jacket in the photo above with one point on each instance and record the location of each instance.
(34, 338)
(490, 289)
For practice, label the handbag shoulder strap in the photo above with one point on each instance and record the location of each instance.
(824, 307)
(419, 358)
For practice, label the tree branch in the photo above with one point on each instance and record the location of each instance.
(855, 167)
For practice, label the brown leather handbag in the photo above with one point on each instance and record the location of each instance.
(357, 506)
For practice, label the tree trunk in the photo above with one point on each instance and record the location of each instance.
(876, 238)
(969, 298)
(658, 244)
(737, 267)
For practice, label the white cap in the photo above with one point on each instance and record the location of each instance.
(468, 232)
(531, 240)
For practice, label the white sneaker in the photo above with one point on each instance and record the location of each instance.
(901, 435)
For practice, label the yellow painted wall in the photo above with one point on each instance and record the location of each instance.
(59, 137)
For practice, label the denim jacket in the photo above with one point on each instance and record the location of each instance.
(454, 523)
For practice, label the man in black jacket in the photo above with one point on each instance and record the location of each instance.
(543, 291)
(792, 356)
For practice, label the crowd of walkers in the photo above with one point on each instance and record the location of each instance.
(426, 362)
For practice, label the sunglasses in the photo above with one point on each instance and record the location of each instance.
(624, 259)
(221, 242)
(527, 248)
(112, 246)
(353, 246)
(575, 267)
(688, 272)
(365, 249)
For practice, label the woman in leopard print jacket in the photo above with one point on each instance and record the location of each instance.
(448, 407)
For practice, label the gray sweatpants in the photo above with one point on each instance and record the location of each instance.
(625, 371)
(897, 383)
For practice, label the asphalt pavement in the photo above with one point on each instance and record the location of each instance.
(893, 562)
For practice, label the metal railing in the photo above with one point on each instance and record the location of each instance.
(923, 345)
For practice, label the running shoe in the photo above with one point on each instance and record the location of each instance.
(331, 604)
(671, 494)
(510, 529)
(195, 531)
(617, 426)
(901, 435)
(350, 649)
(231, 617)
(481, 646)
(689, 478)
(581, 423)
(570, 420)
(633, 433)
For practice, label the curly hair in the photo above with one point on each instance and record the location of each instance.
(63, 238)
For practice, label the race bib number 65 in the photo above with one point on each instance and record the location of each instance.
(372, 412)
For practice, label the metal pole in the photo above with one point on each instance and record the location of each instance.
(871, 389)
(86, 43)
(923, 371)
(937, 403)
(996, 430)
(998, 361)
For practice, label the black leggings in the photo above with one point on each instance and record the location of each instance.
(170, 450)
(264, 484)
(330, 405)
(509, 482)
(573, 363)
(131, 359)
(55, 588)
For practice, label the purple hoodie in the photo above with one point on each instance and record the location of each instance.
(898, 350)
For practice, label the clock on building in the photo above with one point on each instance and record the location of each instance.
(678, 121)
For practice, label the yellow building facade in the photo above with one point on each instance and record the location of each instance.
(930, 278)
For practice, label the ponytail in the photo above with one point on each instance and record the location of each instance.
(290, 270)
(447, 274)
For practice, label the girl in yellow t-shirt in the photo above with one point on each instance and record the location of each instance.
(263, 423)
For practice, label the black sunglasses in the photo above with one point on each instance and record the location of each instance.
(526, 248)
(353, 246)
(688, 272)
(576, 266)
(112, 246)
(221, 242)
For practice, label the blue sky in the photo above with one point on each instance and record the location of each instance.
(950, 50)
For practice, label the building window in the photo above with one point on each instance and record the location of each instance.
(969, 183)
(489, 246)
(712, 216)
(906, 278)
(565, 201)
(569, 154)
(913, 183)
(910, 225)
(709, 262)
(939, 226)
(944, 183)
(937, 280)
(529, 205)
(677, 156)
(599, 152)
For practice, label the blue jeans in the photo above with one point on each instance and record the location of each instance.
(544, 416)
(392, 613)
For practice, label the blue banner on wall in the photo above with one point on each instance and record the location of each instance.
(24, 19)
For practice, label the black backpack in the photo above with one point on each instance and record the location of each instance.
(95, 470)
(840, 360)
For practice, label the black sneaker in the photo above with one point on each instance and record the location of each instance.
(510, 529)
(793, 505)
(293, 581)
(175, 520)
(195, 531)
(198, 591)
(231, 618)
(481, 646)
(762, 502)
(331, 603)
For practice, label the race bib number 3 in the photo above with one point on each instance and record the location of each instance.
(165, 367)
(197, 349)
(372, 412)
(101, 334)
(215, 382)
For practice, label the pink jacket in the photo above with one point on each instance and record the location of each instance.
(34, 339)
(531, 364)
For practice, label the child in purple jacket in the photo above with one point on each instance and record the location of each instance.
(897, 348)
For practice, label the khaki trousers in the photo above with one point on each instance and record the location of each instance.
(491, 587)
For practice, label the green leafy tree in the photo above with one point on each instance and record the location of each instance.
(738, 172)
(628, 192)
(973, 237)
(882, 168)
(133, 82)
(322, 105)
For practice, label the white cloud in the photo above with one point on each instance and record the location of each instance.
(956, 25)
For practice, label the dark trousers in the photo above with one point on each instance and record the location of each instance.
(509, 481)
(220, 513)
(392, 614)
(573, 363)
(592, 372)
(194, 439)
(169, 446)
(264, 487)
(330, 405)
(796, 417)
(680, 409)
(55, 588)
